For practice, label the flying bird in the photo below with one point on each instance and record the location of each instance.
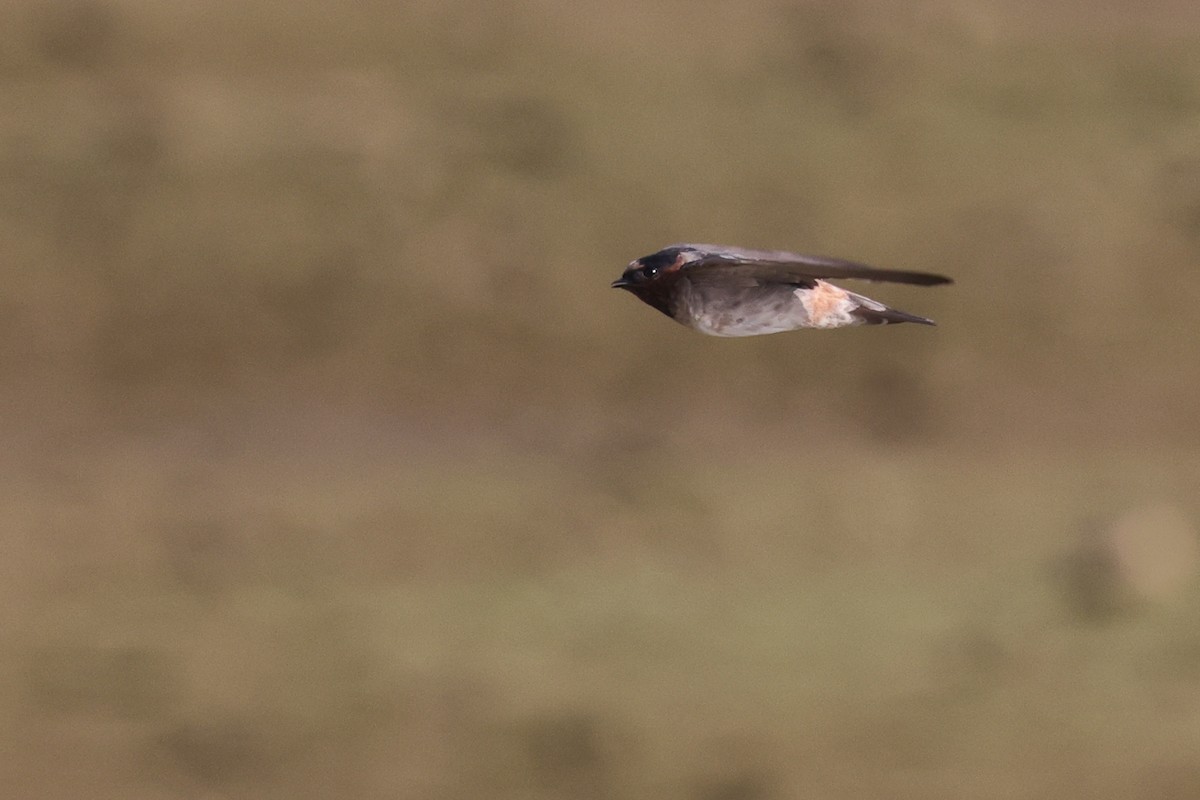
(729, 291)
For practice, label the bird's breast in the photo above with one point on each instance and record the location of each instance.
(758, 310)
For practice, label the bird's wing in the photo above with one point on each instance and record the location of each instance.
(776, 266)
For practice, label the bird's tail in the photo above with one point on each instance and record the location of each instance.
(872, 312)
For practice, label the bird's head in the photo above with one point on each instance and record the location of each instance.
(653, 278)
(647, 269)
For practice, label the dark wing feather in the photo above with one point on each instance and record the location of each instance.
(783, 267)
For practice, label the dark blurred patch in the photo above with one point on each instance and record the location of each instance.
(997, 240)
(217, 752)
(391, 544)
(79, 35)
(527, 134)
(204, 331)
(1175, 781)
(212, 551)
(907, 733)
(469, 35)
(1024, 83)
(1009, 268)
(625, 461)
(1089, 577)
(970, 663)
(138, 142)
(658, 511)
(18, 345)
(1153, 90)
(746, 786)
(125, 682)
(90, 202)
(567, 752)
(1178, 190)
(827, 50)
(734, 766)
(200, 551)
(891, 403)
(312, 312)
(1181, 656)
(181, 338)
(568, 756)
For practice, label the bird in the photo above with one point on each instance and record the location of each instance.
(732, 291)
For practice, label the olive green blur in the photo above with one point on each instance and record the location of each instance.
(334, 468)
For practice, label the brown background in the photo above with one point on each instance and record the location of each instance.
(332, 467)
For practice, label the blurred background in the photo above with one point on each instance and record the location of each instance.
(332, 466)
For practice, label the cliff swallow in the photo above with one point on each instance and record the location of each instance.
(728, 291)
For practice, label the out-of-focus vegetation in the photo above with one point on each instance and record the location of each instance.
(333, 467)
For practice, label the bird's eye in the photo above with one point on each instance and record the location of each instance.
(649, 271)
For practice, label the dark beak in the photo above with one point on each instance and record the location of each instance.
(620, 283)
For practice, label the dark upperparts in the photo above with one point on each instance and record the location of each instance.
(660, 260)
